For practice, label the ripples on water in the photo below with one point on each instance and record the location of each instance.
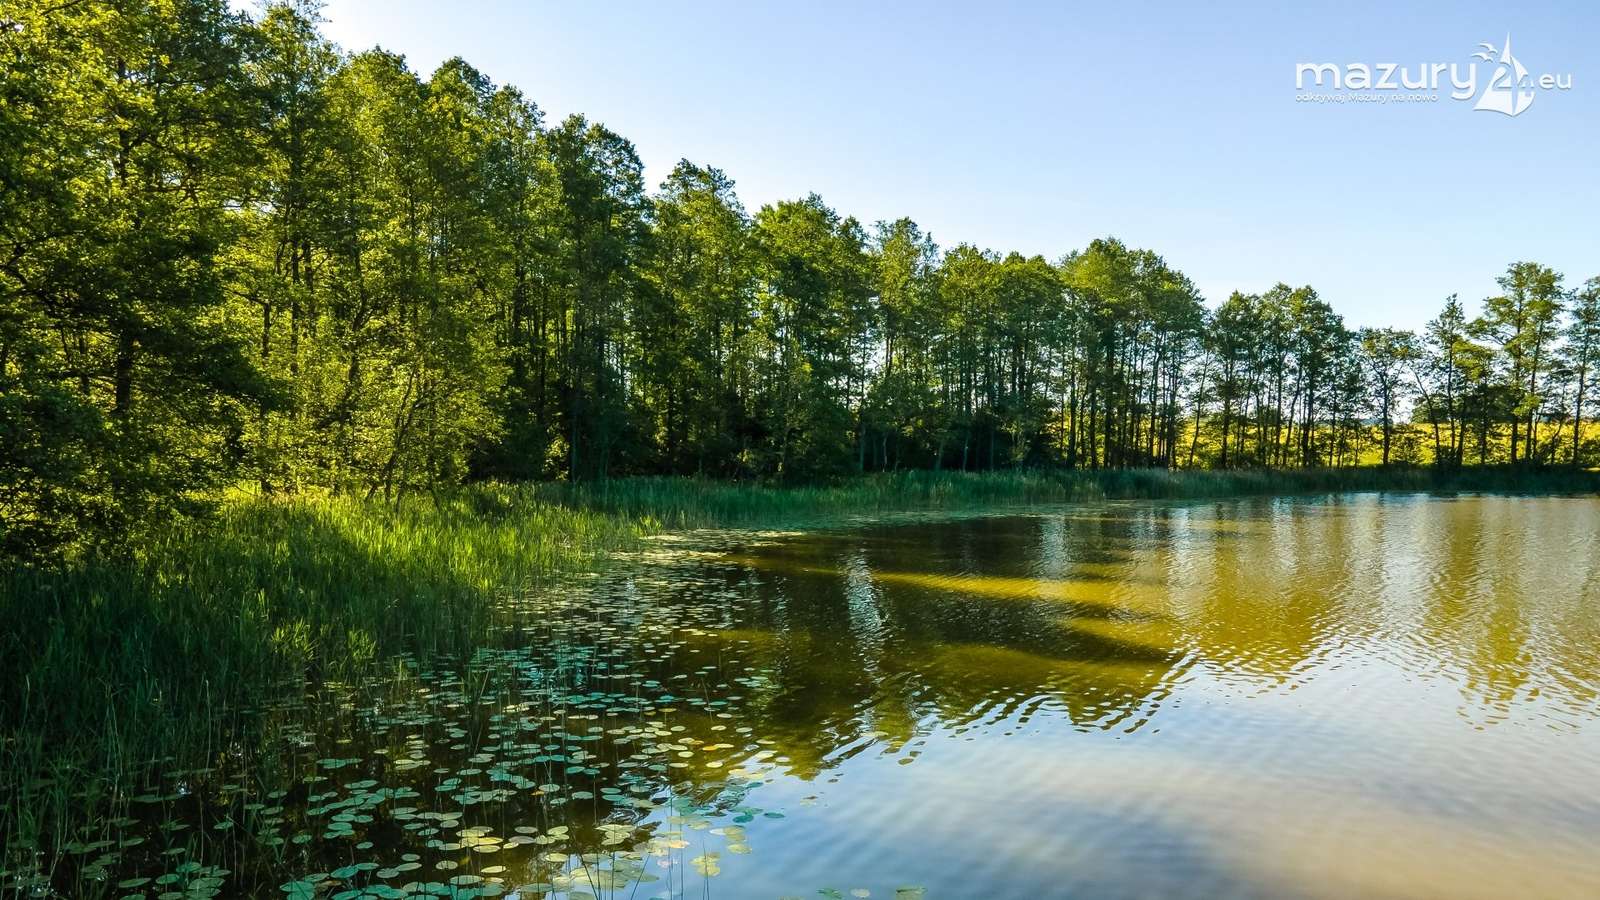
(1366, 695)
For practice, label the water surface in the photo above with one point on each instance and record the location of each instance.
(1360, 695)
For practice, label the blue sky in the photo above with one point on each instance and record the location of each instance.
(1037, 127)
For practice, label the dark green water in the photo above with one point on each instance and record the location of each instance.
(1365, 695)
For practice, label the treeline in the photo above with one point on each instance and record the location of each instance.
(231, 253)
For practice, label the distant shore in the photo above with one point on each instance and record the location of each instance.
(691, 502)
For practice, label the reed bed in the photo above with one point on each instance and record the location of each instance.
(110, 666)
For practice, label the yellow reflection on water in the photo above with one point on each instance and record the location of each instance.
(1349, 696)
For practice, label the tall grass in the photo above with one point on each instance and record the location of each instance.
(107, 665)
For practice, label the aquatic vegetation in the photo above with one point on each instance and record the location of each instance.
(110, 665)
(563, 732)
(533, 691)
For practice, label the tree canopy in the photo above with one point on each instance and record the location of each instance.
(233, 254)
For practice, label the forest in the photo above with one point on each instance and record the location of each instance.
(234, 257)
(383, 463)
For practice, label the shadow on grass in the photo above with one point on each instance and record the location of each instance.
(107, 665)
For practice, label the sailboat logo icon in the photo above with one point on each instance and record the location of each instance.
(1510, 88)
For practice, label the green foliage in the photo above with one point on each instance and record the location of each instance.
(1387, 352)
(1521, 322)
(232, 254)
(1581, 357)
(121, 389)
(693, 396)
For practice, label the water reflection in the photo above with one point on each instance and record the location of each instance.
(1099, 613)
(1373, 695)
(1306, 675)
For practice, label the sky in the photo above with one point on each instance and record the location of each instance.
(1037, 127)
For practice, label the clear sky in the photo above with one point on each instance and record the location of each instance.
(1039, 126)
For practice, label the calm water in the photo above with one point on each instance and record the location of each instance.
(1382, 696)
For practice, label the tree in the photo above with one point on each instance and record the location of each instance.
(601, 233)
(693, 324)
(967, 282)
(1387, 352)
(1440, 376)
(903, 408)
(1027, 289)
(280, 246)
(814, 290)
(520, 200)
(231, 254)
(1582, 353)
(1319, 340)
(1231, 339)
(1521, 321)
(121, 387)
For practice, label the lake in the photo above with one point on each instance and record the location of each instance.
(1355, 695)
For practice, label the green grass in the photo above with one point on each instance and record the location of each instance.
(694, 503)
(107, 666)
